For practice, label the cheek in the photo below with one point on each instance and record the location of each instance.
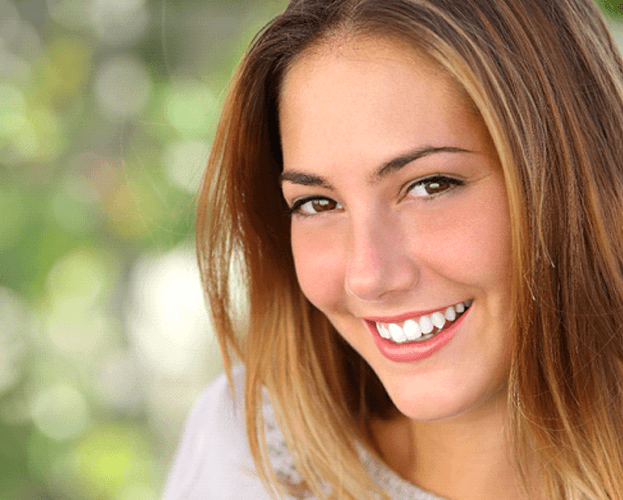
(474, 245)
(320, 266)
(491, 244)
(482, 252)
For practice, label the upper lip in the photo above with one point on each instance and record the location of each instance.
(403, 317)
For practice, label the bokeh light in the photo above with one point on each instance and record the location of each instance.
(69, 13)
(167, 321)
(184, 162)
(191, 108)
(118, 387)
(75, 205)
(60, 412)
(119, 22)
(122, 87)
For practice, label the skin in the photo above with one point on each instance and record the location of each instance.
(374, 245)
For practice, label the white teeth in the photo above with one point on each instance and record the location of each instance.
(412, 329)
(383, 332)
(450, 314)
(426, 325)
(397, 333)
(438, 319)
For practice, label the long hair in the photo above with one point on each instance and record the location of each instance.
(547, 79)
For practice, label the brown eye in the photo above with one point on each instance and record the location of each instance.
(323, 205)
(433, 186)
(437, 187)
(314, 206)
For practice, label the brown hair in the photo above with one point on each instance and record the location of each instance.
(548, 81)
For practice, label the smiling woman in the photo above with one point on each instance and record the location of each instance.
(406, 216)
(425, 196)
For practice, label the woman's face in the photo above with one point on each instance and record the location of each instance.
(400, 222)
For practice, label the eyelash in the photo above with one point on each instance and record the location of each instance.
(435, 179)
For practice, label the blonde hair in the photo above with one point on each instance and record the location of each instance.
(547, 79)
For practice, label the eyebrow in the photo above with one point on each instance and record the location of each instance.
(390, 167)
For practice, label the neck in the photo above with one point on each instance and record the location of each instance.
(466, 457)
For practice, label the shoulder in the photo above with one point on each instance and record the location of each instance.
(213, 458)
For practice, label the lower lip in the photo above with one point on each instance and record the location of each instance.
(414, 351)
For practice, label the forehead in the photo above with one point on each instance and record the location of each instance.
(368, 97)
(373, 51)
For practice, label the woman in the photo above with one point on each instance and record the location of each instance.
(425, 200)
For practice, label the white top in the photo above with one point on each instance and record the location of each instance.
(213, 461)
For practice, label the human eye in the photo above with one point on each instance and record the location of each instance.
(313, 206)
(433, 186)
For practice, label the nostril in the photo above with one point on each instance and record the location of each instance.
(364, 287)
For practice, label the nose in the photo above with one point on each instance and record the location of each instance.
(381, 262)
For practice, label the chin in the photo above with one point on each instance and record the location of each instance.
(426, 401)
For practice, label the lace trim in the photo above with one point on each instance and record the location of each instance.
(396, 487)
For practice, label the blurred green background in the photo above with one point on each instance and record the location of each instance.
(107, 109)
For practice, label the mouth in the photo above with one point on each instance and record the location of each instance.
(421, 328)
